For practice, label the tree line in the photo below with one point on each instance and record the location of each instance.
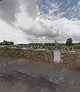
(6, 42)
(69, 42)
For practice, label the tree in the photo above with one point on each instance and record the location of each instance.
(6, 43)
(69, 42)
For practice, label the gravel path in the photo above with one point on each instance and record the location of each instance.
(20, 75)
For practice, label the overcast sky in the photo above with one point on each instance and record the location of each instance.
(22, 21)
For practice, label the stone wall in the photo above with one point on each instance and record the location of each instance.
(72, 58)
(41, 55)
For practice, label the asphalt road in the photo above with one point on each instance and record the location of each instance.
(20, 75)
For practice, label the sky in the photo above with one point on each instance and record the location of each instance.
(39, 21)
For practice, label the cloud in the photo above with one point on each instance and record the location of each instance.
(8, 10)
(25, 15)
(49, 30)
(31, 7)
(38, 28)
(7, 32)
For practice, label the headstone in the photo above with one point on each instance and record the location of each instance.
(57, 56)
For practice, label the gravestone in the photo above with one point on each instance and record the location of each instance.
(57, 56)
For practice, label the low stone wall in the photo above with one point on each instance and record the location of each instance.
(40, 55)
(71, 58)
(27, 54)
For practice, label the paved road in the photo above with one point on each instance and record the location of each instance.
(20, 75)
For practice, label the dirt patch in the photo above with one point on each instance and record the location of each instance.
(32, 76)
(17, 80)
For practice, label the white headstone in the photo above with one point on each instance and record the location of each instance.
(57, 56)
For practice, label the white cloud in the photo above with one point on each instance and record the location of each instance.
(78, 3)
(55, 7)
(38, 28)
(9, 33)
(23, 20)
(47, 30)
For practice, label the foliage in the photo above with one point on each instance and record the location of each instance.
(7, 43)
(69, 42)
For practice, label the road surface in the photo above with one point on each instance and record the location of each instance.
(20, 75)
